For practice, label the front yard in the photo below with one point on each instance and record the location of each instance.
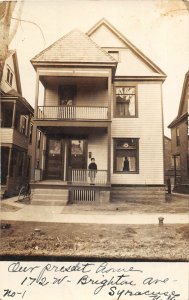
(147, 242)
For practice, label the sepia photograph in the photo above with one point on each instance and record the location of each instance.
(94, 134)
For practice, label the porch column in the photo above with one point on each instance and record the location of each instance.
(36, 96)
(109, 94)
(109, 155)
(109, 127)
(9, 162)
(33, 158)
(13, 114)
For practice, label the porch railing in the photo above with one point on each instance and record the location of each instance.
(84, 176)
(73, 112)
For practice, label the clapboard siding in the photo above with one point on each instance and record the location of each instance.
(97, 144)
(12, 136)
(148, 128)
(92, 95)
(51, 96)
(87, 95)
(20, 139)
(6, 135)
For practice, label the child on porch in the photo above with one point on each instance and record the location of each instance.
(92, 171)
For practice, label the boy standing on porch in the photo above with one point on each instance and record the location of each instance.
(92, 171)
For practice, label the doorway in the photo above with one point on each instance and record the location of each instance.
(54, 161)
(77, 154)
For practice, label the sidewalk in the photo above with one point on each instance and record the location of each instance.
(61, 214)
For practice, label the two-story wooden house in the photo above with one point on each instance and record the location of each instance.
(180, 144)
(16, 114)
(102, 100)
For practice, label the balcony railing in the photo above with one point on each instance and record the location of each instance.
(82, 176)
(73, 112)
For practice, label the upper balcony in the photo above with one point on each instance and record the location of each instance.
(72, 112)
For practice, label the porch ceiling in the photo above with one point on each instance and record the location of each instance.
(84, 131)
(76, 80)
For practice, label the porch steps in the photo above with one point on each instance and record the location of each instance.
(49, 196)
(138, 194)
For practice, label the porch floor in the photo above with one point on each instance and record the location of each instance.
(56, 182)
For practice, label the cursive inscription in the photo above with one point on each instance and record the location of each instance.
(113, 281)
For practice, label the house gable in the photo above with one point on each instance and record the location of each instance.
(132, 62)
(183, 108)
(11, 70)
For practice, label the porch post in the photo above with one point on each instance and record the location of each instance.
(36, 96)
(9, 161)
(109, 127)
(33, 150)
(13, 114)
(109, 155)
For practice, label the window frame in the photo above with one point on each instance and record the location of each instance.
(177, 136)
(115, 140)
(9, 76)
(122, 84)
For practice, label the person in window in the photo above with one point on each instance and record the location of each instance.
(126, 164)
(92, 171)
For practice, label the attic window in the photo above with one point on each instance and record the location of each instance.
(115, 55)
(9, 76)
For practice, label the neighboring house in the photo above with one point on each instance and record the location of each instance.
(168, 161)
(180, 147)
(103, 99)
(16, 114)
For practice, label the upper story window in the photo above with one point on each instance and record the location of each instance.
(115, 55)
(67, 94)
(126, 155)
(177, 136)
(23, 124)
(30, 133)
(9, 78)
(125, 101)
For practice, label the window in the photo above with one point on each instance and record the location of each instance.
(115, 55)
(9, 76)
(23, 124)
(176, 162)
(126, 158)
(30, 134)
(67, 94)
(125, 101)
(177, 136)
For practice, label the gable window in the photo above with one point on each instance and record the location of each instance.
(67, 94)
(9, 76)
(115, 55)
(177, 136)
(126, 155)
(125, 101)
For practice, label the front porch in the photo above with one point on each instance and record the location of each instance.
(58, 192)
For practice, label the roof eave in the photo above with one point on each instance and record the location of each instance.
(178, 120)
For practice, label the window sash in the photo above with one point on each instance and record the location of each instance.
(125, 101)
(126, 148)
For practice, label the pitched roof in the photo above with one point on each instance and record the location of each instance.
(183, 107)
(128, 43)
(74, 47)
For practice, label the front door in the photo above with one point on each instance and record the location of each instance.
(77, 154)
(54, 162)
